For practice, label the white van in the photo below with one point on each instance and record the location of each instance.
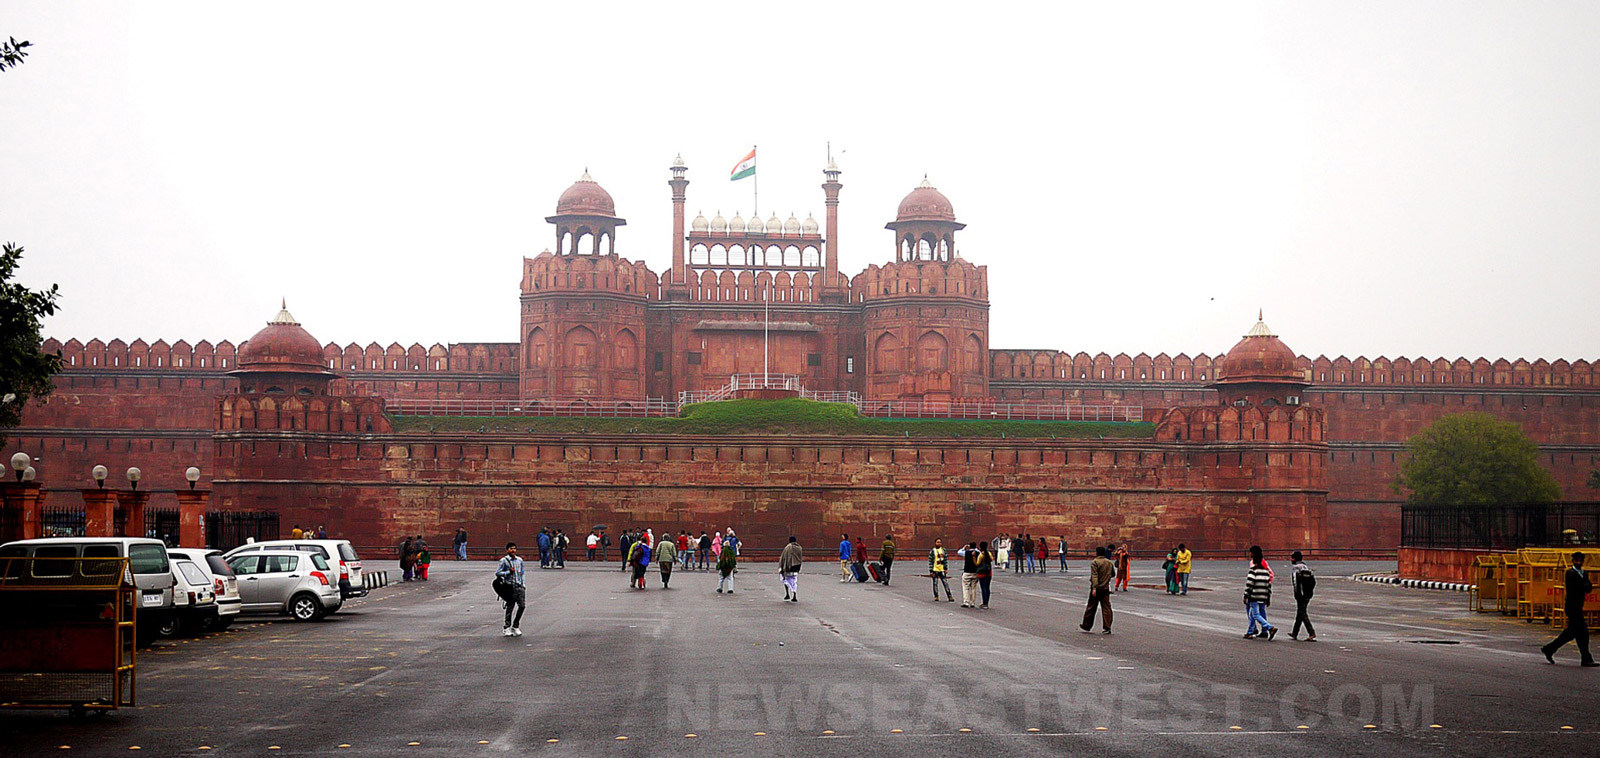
(147, 561)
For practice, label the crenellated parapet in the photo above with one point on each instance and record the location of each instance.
(548, 273)
(1241, 424)
(1055, 365)
(958, 279)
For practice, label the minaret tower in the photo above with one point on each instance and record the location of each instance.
(675, 284)
(834, 290)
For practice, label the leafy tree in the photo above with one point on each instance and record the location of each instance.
(1474, 459)
(25, 370)
(12, 53)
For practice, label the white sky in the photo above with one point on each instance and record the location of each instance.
(1417, 179)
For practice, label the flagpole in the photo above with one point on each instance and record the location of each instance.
(756, 202)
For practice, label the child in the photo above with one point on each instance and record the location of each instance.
(423, 559)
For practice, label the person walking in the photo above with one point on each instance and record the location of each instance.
(513, 590)
(1002, 549)
(1044, 554)
(407, 559)
(605, 542)
(969, 574)
(731, 541)
(1019, 553)
(686, 549)
(727, 563)
(561, 543)
(1123, 558)
(1257, 596)
(705, 552)
(638, 560)
(985, 571)
(1185, 558)
(1061, 552)
(1101, 572)
(666, 556)
(845, 551)
(938, 568)
(789, 568)
(460, 543)
(716, 546)
(625, 546)
(424, 560)
(1029, 547)
(861, 552)
(543, 541)
(1169, 572)
(886, 556)
(1304, 583)
(1577, 587)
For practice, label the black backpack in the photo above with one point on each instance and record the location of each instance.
(1307, 582)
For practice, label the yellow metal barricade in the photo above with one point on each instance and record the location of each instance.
(1487, 583)
(1591, 603)
(1538, 574)
(66, 633)
(1508, 584)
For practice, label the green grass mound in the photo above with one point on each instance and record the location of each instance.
(792, 416)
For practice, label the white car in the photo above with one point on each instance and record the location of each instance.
(286, 581)
(148, 563)
(339, 554)
(224, 585)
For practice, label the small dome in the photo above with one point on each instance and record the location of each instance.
(1260, 357)
(699, 224)
(736, 225)
(809, 226)
(756, 226)
(282, 346)
(774, 225)
(678, 161)
(585, 198)
(792, 226)
(925, 204)
(719, 224)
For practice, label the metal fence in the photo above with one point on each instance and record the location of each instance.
(61, 521)
(648, 408)
(226, 530)
(1500, 527)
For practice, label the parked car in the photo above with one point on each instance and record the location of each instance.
(192, 599)
(148, 563)
(300, 584)
(338, 553)
(224, 585)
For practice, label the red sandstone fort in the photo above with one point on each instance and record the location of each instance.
(1256, 446)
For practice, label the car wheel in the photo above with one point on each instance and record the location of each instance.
(170, 626)
(221, 623)
(305, 607)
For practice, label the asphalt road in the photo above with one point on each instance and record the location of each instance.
(854, 669)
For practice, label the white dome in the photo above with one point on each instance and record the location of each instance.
(736, 225)
(756, 227)
(809, 226)
(719, 224)
(699, 224)
(774, 225)
(792, 226)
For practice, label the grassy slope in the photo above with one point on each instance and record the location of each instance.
(777, 417)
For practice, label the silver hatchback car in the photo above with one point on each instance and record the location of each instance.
(302, 585)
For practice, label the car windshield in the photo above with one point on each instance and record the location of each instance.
(218, 566)
(347, 552)
(317, 560)
(148, 559)
(192, 574)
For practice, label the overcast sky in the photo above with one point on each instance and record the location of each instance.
(1417, 179)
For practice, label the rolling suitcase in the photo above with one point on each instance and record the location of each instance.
(877, 571)
(859, 572)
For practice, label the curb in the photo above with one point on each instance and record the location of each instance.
(1416, 584)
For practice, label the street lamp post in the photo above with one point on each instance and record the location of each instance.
(19, 463)
(99, 506)
(192, 504)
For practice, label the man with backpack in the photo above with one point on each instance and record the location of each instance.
(1305, 583)
(509, 584)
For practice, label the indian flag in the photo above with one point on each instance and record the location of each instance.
(746, 167)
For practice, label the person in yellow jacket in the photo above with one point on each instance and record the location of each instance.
(1184, 557)
(886, 556)
(938, 568)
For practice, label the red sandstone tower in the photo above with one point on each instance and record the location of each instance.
(283, 386)
(1260, 371)
(583, 308)
(926, 315)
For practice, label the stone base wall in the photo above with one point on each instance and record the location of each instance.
(1437, 565)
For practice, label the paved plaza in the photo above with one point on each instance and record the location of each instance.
(857, 669)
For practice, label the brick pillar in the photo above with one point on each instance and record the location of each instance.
(132, 502)
(99, 507)
(192, 506)
(21, 503)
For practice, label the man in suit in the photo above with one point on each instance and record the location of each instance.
(1578, 586)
